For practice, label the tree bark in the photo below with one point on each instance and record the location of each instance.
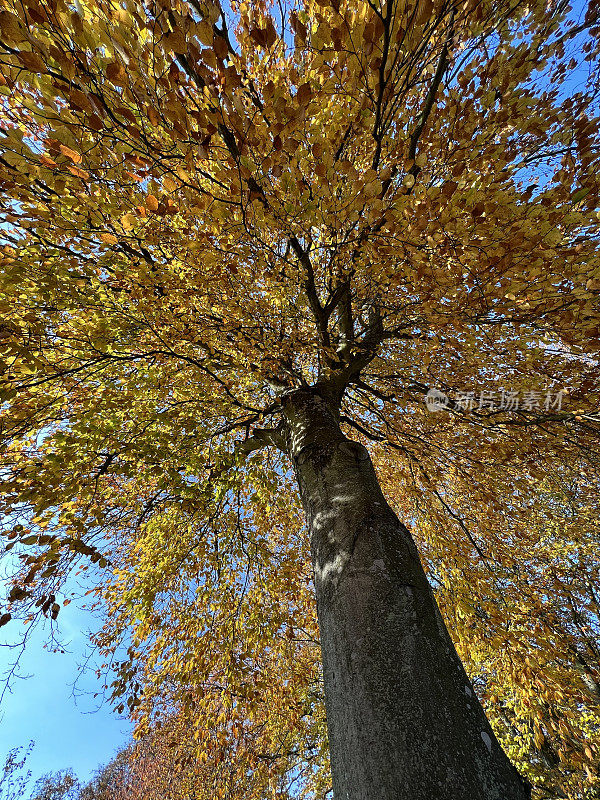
(403, 720)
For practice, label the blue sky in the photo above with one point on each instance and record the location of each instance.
(56, 708)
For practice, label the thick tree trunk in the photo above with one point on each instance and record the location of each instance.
(404, 722)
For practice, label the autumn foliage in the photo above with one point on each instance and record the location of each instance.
(203, 206)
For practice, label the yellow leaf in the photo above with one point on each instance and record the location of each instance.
(127, 221)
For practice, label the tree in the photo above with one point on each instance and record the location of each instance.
(60, 785)
(241, 248)
(114, 780)
(163, 765)
(15, 776)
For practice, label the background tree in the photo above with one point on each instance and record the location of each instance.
(60, 785)
(235, 239)
(117, 780)
(15, 775)
(165, 765)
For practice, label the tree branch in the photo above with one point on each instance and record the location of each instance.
(263, 437)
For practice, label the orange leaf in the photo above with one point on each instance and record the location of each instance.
(78, 172)
(72, 154)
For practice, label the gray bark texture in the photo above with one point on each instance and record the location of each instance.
(403, 720)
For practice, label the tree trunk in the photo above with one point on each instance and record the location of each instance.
(404, 722)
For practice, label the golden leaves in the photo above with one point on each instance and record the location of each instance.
(164, 302)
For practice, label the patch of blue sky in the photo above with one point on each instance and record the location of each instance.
(58, 703)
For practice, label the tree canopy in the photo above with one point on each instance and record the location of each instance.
(204, 206)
